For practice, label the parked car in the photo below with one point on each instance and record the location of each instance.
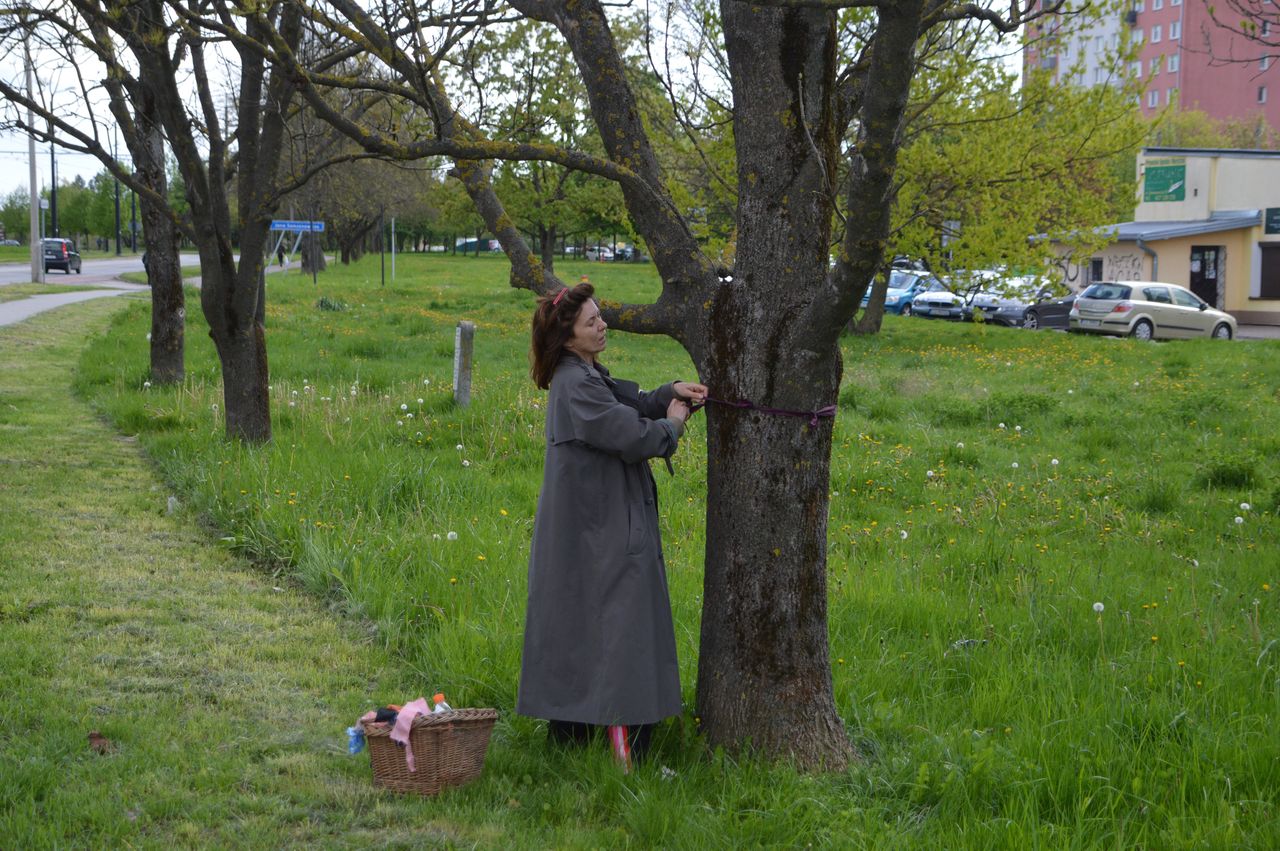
(1147, 310)
(1008, 302)
(903, 287)
(60, 254)
(599, 252)
(938, 302)
(10, 242)
(1048, 311)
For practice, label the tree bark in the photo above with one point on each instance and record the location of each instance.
(168, 300)
(764, 674)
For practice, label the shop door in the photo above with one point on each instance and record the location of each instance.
(1206, 264)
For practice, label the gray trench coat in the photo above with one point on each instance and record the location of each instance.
(599, 645)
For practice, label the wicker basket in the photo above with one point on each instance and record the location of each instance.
(448, 750)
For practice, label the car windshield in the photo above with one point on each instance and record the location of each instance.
(1107, 292)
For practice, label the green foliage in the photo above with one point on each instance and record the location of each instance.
(991, 706)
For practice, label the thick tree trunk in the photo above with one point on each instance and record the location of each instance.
(547, 246)
(764, 674)
(870, 320)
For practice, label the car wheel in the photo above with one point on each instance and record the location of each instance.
(1142, 330)
(906, 310)
(1222, 332)
(1031, 320)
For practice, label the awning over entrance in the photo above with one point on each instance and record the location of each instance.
(1154, 231)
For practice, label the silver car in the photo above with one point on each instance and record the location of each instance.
(1147, 310)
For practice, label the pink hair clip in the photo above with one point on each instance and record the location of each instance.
(559, 296)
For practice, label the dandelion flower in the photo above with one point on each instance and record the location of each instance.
(1001, 425)
(1017, 428)
(929, 474)
(1054, 462)
(1014, 465)
(419, 401)
(426, 381)
(459, 447)
(1154, 639)
(1244, 506)
(960, 445)
(903, 534)
(466, 463)
(502, 511)
(1098, 607)
(146, 385)
(453, 580)
(409, 415)
(452, 536)
(1239, 519)
(404, 407)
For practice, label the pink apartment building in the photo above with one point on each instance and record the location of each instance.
(1185, 57)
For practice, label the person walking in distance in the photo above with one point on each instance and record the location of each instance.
(599, 643)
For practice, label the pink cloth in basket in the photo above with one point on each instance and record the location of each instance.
(404, 726)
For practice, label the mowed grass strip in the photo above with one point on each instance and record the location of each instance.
(993, 705)
(223, 693)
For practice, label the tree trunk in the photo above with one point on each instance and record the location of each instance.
(547, 246)
(764, 673)
(168, 301)
(871, 319)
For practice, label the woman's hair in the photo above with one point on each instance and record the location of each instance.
(553, 320)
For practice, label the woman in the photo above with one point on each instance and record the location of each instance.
(599, 646)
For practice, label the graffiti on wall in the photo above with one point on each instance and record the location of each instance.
(1124, 267)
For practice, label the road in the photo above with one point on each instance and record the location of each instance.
(97, 271)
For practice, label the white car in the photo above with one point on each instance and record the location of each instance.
(599, 252)
(1147, 310)
(938, 302)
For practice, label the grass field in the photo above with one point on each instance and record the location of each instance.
(989, 487)
(13, 292)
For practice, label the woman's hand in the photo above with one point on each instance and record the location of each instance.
(693, 393)
(678, 410)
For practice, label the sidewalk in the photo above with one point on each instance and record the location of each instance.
(1258, 332)
(222, 693)
(24, 308)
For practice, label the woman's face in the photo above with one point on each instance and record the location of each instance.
(588, 338)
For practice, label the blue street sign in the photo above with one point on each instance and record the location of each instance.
(297, 226)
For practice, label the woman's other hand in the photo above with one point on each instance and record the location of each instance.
(678, 410)
(693, 393)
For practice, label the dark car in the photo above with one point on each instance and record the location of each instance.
(1048, 311)
(61, 254)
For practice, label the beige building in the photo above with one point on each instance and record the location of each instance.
(1207, 219)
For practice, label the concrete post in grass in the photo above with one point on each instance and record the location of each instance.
(463, 341)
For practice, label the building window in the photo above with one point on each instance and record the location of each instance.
(1262, 94)
(1266, 28)
(1138, 7)
(1137, 36)
(1173, 62)
(1175, 2)
(1157, 5)
(1137, 68)
(1264, 63)
(1175, 30)
(1155, 34)
(1170, 95)
(1155, 64)
(1153, 99)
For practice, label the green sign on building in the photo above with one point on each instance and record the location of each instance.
(1165, 179)
(1271, 220)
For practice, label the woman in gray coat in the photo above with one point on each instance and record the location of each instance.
(599, 646)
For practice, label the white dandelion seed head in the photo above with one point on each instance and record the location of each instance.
(1071, 392)
(409, 415)
(459, 447)
(146, 384)
(148, 338)
(426, 382)
(294, 392)
(1137, 384)
(929, 474)
(960, 445)
(399, 422)
(903, 534)
(452, 536)
(435, 536)
(214, 407)
(1017, 428)
(292, 404)
(1054, 462)
(1014, 465)
(1098, 607)
(404, 407)
(1195, 563)
(1244, 506)
(353, 392)
(1000, 426)
(466, 463)
(417, 435)
(1239, 519)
